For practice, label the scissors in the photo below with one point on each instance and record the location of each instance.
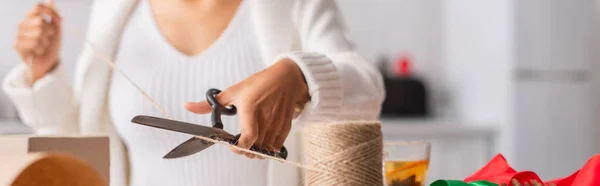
(216, 132)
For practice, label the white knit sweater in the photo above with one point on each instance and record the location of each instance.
(342, 85)
(173, 78)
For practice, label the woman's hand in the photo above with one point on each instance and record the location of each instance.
(38, 42)
(266, 102)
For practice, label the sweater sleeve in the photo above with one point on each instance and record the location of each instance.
(342, 84)
(47, 105)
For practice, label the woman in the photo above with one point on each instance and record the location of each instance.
(268, 57)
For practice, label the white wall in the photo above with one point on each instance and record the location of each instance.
(392, 28)
(478, 58)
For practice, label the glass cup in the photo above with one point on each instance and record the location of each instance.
(405, 163)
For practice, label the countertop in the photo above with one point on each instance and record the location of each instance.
(435, 128)
(391, 127)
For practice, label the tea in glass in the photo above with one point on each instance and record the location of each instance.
(406, 163)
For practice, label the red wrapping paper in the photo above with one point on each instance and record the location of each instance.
(499, 171)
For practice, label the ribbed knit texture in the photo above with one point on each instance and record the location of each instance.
(323, 82)
(173, 78)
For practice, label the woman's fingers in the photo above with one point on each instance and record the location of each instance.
(249, 128)
(44, 9)
(34, 29)
(50, 3)
(198, 107)
(34, 36)
(38, 40)
(283, 134)
(264, 124)
(275, 129)
(31, 23)
(224, 98)
(44, 42)
(261, 134)
(265, 105)
(39, 51)
(284, 131)
(35, 11)
(25, 46)
(267, 120)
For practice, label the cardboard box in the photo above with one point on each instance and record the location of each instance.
(48, 169)
(91, 149)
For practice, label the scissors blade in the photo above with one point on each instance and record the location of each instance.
(189, 147)
(192, 145)
(178, 126)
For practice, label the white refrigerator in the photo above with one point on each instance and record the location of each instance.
(555, 124)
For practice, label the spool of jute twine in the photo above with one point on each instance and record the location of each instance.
(349, 152)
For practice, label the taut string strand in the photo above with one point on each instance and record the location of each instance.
(318, 167)
(113, 66)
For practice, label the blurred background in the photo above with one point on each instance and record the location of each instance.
(474, 77)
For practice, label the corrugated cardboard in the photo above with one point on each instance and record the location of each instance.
(92, 149)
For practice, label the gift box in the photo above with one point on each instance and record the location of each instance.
(94, 150)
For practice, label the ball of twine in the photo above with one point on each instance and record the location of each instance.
(349, 152)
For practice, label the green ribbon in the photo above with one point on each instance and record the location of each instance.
(462, 183)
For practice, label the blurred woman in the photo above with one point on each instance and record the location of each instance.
(270, 58)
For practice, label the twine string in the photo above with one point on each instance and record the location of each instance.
(349, 159)
(369, 145)
(114, 67)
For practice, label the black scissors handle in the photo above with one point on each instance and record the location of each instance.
(282, 153)
(218, 109)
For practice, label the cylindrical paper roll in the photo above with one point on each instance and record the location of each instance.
(47, 169)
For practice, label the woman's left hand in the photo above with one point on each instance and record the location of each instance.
(266, 103)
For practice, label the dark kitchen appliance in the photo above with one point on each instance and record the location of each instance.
(406, 94)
